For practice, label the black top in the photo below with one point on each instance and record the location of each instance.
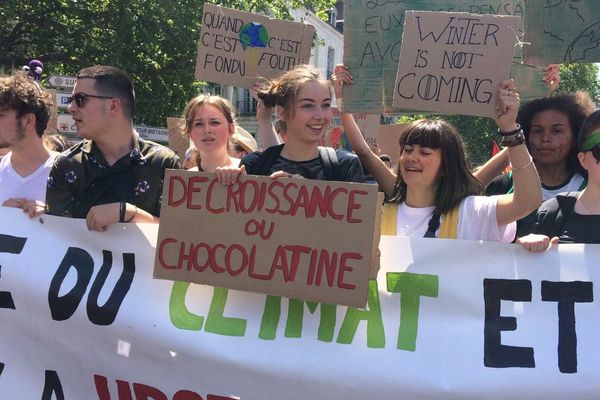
(81, 178)
(350, 168)
(581, 229)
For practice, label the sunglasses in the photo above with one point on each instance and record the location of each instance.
(592, 144)
(81, 99)
(596, 152)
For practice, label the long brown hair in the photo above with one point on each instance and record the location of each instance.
(456, 180)
(195, 103)
(284, 90)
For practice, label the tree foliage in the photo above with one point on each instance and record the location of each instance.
(580, 77)
(155, 41)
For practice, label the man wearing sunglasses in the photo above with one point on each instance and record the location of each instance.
(24, 114)
(113, 175)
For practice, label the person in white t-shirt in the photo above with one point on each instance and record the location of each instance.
(434, 193)
(24, 115)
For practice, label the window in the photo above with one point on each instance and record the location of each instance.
(330, 61)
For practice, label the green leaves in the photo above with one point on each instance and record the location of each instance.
(155, 41)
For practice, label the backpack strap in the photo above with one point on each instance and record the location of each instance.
(267, 159)
(553, 213)
(432, 226)
(331, 164)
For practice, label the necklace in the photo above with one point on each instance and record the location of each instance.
(586, 207)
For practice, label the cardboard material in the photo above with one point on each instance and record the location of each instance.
(452, 63)
(239, 48)
(298, 238)
(388, 140)
(561, 31)
(529, 81)
(336, 137)
(52, 128)
(372, 42)
(178, 140)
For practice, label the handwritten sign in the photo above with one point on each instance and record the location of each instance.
(529, 81)
(372, 41)
(298, 238)
(336, 136)
(453, 62)
(561, 31)
(239, 48)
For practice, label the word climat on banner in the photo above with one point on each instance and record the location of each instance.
(524, 325)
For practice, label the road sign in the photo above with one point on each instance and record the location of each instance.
(62, 100)
(152, 133)
(62, 81)
(65, 123)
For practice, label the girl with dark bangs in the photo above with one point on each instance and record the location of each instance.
(434, 193)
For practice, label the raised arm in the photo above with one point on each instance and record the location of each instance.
(266, 134)
(381, 173)
(527, 195)
(493, 167)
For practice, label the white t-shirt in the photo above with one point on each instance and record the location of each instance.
(476, 220)
(573, 185)
(31, 187)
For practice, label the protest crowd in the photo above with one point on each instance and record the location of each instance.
(114, 176)
(542, 189)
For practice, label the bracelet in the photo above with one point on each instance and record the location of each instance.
(524, 166)
(513, 132)
(513, 140)
(134, 214)
(122, 206)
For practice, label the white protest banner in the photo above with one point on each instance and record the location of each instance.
(299, 238)
(372, 42)
(239, 48)
(452, 63)
(82, 319)
(561, 32)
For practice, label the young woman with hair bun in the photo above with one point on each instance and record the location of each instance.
(302, 98)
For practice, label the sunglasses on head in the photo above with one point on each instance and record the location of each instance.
(81, 99)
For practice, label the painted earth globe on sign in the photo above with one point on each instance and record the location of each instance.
(254, 34)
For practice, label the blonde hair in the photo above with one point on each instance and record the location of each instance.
(219, 102)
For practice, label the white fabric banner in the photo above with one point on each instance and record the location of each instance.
(82, 318)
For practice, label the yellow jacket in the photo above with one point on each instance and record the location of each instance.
(448, 228)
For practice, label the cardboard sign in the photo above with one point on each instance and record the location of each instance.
(389, 136)
(372, 41)
(529, 81)
(336, 136)
(561, 31)
(297, 238)
(51, 128)
(452, 63)
(239, 48)
(178, 140)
